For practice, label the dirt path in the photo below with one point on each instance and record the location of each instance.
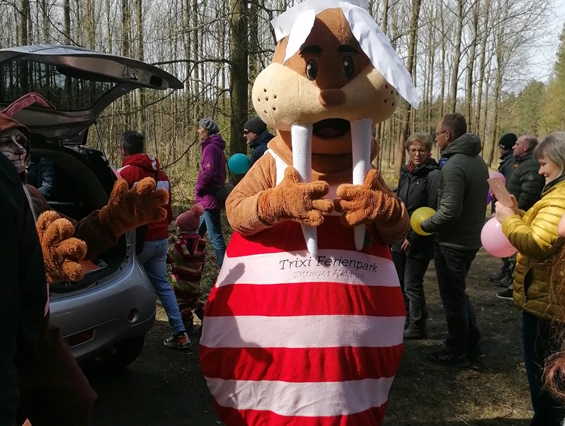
(165, 387)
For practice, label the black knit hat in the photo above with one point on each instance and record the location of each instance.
(255, 125)
(507, 141)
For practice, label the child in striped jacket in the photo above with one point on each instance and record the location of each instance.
(187, 257)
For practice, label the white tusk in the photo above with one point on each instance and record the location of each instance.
(301, 135)
(361, 139)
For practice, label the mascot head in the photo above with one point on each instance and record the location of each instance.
(14, 136)
(332, 67)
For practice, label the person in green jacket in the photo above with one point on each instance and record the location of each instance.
(457, 224)
(526, 184)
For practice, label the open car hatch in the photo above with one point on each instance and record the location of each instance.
(79, 82)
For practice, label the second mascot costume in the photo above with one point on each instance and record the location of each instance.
(304, 325)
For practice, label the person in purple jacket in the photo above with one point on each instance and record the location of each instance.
(212, 173)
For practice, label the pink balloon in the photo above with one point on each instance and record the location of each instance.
(494, 241)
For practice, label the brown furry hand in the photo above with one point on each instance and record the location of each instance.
(367, 203)
(295, 200)
(61, 252)
(129, 208)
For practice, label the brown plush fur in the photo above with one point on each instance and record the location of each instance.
(67, 257)
(127, 209)
(284, 95)
(294, 200)
(61, 252)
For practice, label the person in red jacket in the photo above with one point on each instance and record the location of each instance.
(135, 166)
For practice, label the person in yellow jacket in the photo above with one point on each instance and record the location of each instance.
(534, 234)
(561, 226)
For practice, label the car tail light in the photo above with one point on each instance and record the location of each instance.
(82, 337)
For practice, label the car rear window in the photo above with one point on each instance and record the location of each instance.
(68, 90)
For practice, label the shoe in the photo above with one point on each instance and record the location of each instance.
(177, 341)
(505, 282)
(506, 294)
(475, 353)
(412, 333)
(447, 357)
(500, 274)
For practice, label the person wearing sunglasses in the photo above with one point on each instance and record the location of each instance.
(257, 136)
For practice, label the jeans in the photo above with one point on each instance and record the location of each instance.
(452, 266)
(411, 273)
(211, 221)
(538, 343)
(153, 258)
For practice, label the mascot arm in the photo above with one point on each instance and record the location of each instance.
(259, 204)
(242, 203)
(373, 203)
(65, 245)
(126, 210)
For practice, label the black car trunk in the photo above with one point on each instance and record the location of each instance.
(81, 183)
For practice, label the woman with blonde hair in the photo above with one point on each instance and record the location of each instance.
(534, 234)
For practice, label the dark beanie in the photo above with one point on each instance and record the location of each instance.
(209, 125)
(255, 125)
(507, 141)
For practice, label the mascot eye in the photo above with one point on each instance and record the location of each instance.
(348, 67)
(312, 69)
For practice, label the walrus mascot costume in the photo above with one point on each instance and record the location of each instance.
(304, 325)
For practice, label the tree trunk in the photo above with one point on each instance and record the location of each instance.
(109, 15)
(253, 41)
(239, 76)
(457, 55)
(126, 51)
(443, 64)
(380, 127)
(45, 22)
(411, 69)
(470, 67)
(140, 54)
(482, 65)
(196, 57)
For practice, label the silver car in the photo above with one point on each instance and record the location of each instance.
(108, 313)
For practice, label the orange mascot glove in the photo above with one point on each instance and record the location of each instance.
(62, 253)
(368, 203)
(129, 208)
(294, 200)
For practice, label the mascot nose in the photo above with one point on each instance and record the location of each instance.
(332, 97)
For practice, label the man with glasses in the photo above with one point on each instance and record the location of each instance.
(257, 136)
(417, 188)
(457, 225)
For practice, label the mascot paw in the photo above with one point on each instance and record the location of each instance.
(61, 252)
(129, 208)
(367, 203)
(295, 200)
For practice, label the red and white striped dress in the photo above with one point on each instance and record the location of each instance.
(293, 340)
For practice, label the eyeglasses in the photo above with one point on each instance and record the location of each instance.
(439, 133)
(417, 151)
